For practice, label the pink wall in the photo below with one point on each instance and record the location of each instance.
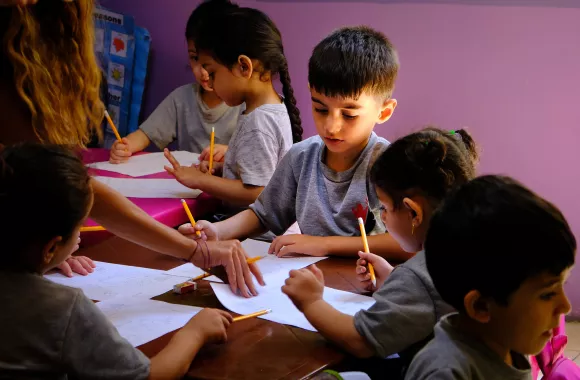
(509, 73)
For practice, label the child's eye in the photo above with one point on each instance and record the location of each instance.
(321, 110)
(349, 117)
(548, 296)
(193, 57)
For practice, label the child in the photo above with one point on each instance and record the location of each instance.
(241, 55)
(190, 111)
(411, 177)
(53, 331)
(515, 251)
(323, 182)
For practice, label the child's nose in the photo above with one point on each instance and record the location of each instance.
(565, 306)
(333, 125)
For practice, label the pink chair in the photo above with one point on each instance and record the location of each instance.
(551, 362)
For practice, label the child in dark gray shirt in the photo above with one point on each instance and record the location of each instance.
(51, 331)
(411, 177)
(499, 254)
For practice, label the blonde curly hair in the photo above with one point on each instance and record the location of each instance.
(51, 49)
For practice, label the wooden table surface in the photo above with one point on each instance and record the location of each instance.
(256, 348)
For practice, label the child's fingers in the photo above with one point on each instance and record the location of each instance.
(65, 269)
(361, 269)
(171, 159)
(169, 170)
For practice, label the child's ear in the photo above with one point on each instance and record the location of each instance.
(50, 249)
(386, 110)
(245, 66)
(477, 306)
(416, 211)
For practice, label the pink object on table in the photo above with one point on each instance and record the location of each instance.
(167, 211)
(551, 362)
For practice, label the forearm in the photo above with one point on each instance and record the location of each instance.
(232, 191)
(122, 218)
(382, 245)
(138, 141)
(338, 328)
(175, 359)
(240, 226)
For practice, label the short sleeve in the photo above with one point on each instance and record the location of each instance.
(161, 125)
(256, 157)
(93, 348)
(276, 205)
(402, 315)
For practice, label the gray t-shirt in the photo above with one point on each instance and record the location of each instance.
(183, 115)
(51, 331)
(322, 200)
(453, 355)
(258, 144)
(407, 308)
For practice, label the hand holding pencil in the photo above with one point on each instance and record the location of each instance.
(366, 246)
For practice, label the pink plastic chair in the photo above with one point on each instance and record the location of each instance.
(551, 362)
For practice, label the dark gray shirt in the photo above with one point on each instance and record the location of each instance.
(51, 331)
(453, 355)
(407, 308)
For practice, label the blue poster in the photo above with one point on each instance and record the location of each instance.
(115, 47)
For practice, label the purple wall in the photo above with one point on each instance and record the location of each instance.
(511, 74)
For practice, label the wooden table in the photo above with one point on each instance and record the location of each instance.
(256, 348)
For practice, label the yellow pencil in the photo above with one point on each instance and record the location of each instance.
(211, 144)
(363, 234)
(92, 228)
(253, 315)
(200, 277)
(254, 259)
(188, 212)
(115, 131)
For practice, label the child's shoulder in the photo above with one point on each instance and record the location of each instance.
(442, 357)
(307, 147)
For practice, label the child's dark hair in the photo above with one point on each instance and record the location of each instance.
(250, 32)
(352, 60)
(44, 193)
(491, 235)
(204, 13)
(430, 162)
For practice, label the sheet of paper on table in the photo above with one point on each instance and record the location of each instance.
(110, 281)
(149, 187)
(270, 266)
(142, 320)
(145, 164)
(283, 310)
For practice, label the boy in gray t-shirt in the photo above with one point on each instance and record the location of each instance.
(322, 182)
(51, 331)
(499, 254)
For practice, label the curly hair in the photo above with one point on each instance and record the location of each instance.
(50, 46)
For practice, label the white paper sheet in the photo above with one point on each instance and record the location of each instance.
(110, 281)
(149, 187)
(140, 321)
(146, 164)
(283, 310)
(270, 266)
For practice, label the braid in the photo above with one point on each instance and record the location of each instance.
(290, 102)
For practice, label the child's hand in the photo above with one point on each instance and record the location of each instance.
(304, 287)
(382, 270)
(77, 264)
(219, 153)
(188, 176)
(210, 324)
(208, 231)
(217, 167)
(120, 151)
(303, 244)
